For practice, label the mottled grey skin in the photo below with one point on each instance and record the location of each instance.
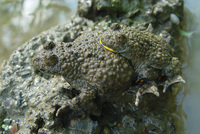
(87, 66)
(91, 68)
(149, 54)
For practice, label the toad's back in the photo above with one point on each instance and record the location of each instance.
(84, 63)
(108, 61)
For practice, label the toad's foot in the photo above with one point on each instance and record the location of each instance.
(146, 88)
(82, 99)
(169, 82)
(64, 106)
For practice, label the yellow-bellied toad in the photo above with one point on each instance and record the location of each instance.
(106, 62)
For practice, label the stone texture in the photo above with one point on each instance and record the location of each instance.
(31, 100)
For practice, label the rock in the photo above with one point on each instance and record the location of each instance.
(174, 19)
(29, 98)
(84, 8)
(32, 98)
(163, 9)
(2, 114)
(132, 12)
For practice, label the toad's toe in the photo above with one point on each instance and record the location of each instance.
(176, 79)
(146, 88)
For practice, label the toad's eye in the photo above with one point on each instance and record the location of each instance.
(120, 38)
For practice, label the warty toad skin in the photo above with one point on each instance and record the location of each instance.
(107, 62)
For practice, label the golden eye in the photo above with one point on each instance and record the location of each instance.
(120, 38)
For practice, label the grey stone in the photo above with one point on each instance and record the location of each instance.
(32, 98)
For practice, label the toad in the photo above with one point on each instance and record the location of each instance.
(107, 62)
(150, 56)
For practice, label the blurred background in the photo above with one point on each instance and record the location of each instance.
(191, 101)
(23, 19)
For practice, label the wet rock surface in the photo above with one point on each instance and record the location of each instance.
(31, 98)
(133, 12)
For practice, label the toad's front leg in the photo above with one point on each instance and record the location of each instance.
(172, 71)
(87, 95)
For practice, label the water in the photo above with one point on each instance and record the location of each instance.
(191, 101)
(23, 19)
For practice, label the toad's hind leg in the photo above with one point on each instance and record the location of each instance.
(86, 96)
